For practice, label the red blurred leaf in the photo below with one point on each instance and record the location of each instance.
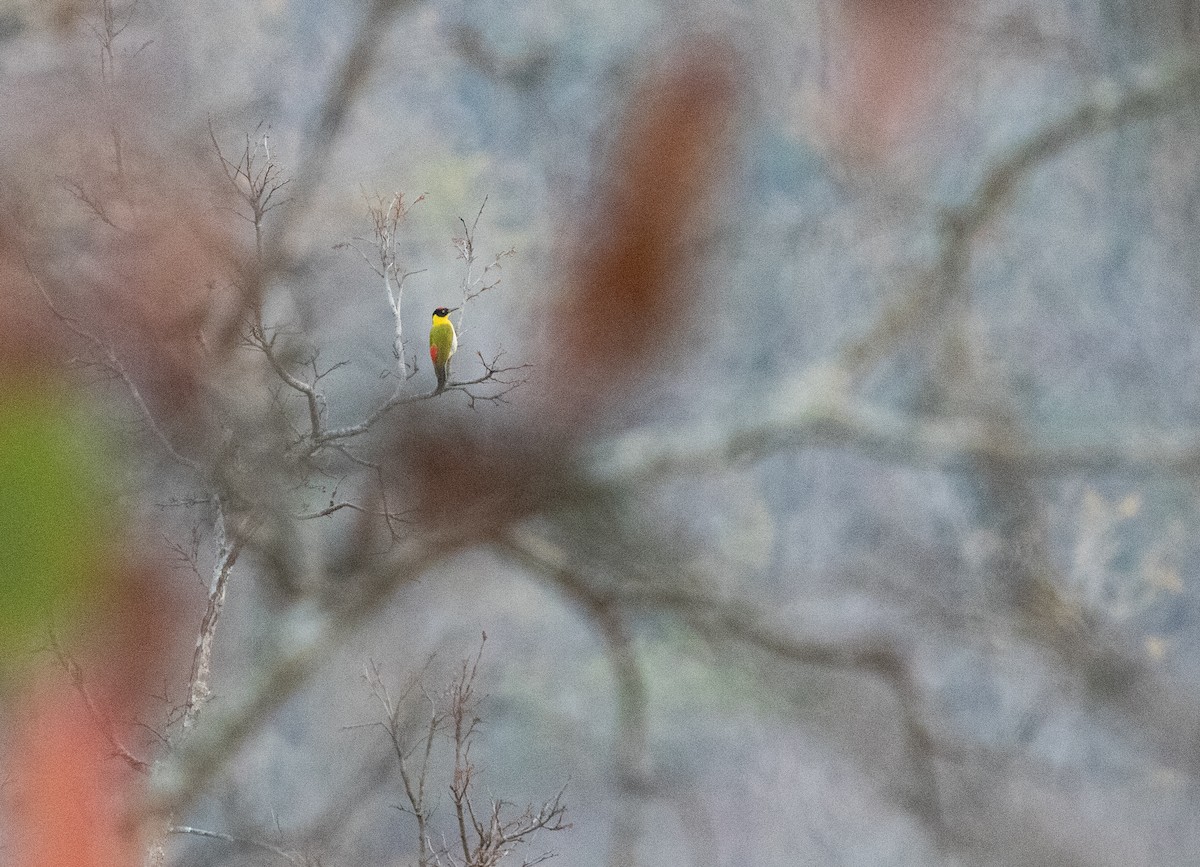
(886, 53)
(629, 289)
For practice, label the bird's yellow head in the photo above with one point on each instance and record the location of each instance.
(441, 313)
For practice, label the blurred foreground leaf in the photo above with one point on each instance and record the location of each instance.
(51, 518)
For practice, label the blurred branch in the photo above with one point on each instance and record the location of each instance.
(631, 748)
(820, 411)
(880, 653)
(107, 33)
(1162, 714)
(603, 608)
(939, 761)
(525, 70)
(92, 202)
(1002, 488)
(1109, 107)
(1003, 458)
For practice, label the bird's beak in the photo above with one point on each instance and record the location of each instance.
(452, 309)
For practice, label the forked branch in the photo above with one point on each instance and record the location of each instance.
(482, 837)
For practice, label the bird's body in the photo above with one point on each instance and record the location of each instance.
(443, 343)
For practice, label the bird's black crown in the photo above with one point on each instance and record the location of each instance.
(442, 311)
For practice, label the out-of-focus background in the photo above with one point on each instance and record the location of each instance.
(815, 484)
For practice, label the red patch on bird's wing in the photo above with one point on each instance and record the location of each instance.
(433, 354)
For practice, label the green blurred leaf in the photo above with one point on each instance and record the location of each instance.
(51, 517)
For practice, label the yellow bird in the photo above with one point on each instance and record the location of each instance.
(443, 343)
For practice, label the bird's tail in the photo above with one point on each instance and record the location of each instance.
(440, 370)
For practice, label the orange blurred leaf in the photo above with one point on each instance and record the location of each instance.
(69, 793)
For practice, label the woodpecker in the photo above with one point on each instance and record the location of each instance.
(443, 343)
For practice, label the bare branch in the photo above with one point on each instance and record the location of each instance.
(102, 720)
(229, 546)
(493, 373)
(314, 400)
(322, 131)
(293, 649)
(330, 509)
(482, 839)
(463, 723)
(112, 363)
(397, 399)
(475, 284)
(187, 556)
(290, 857)
(255, 176)
(507, 378)
(412, 778)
